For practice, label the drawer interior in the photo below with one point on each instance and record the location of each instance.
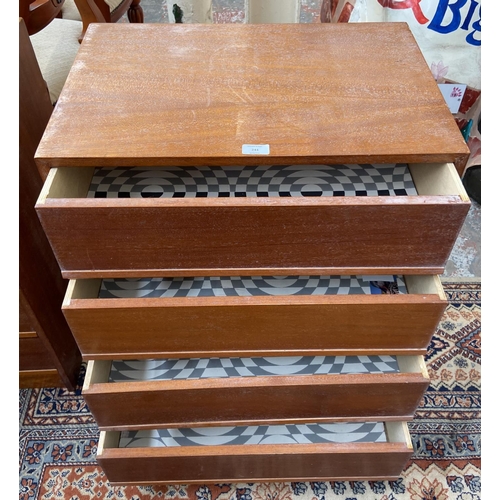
(261, 181)
(137, 370)
(354, 432)
(249, 286)
(252, 181)
(198, 368)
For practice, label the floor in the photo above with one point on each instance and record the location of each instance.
(465, 259)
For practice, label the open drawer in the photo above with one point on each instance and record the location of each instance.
(149, 394)
(200, 221)
(259, 316)
(375, 451)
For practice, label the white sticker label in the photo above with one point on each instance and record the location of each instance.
(453, 94)
(255, 149)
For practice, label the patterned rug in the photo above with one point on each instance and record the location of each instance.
(58, 436)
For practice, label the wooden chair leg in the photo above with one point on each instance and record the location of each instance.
(135, 13)
(90, 13)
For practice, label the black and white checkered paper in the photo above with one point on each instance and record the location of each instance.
(253, 181)
(199, 368)
(262, 434)
(243, 286)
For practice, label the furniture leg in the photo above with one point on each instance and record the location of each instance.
(135, 13)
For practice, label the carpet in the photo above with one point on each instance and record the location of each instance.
(58, 436)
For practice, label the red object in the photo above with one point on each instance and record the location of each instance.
(414, 5)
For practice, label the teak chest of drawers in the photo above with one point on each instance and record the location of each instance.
(252, 316)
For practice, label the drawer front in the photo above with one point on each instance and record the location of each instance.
(393, 394)
(254, 235)
(107, 328)
(263, 462)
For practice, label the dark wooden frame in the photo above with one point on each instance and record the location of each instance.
(41, 286)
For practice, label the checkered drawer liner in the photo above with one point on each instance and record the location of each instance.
(262, 434)
(241, 286)
(259, 181)
(196, 368)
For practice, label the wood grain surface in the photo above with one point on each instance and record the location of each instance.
(162, 237)
(40, 378)
(238, 326)
(260, 400)
(172, 94)
(254, 463)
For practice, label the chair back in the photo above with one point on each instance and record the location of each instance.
(37, 14)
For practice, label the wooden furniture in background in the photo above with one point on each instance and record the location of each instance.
(316, 94)
(39, 13)
(48, 354)
(102, 11)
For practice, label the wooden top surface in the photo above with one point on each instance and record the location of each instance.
(175, 94)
